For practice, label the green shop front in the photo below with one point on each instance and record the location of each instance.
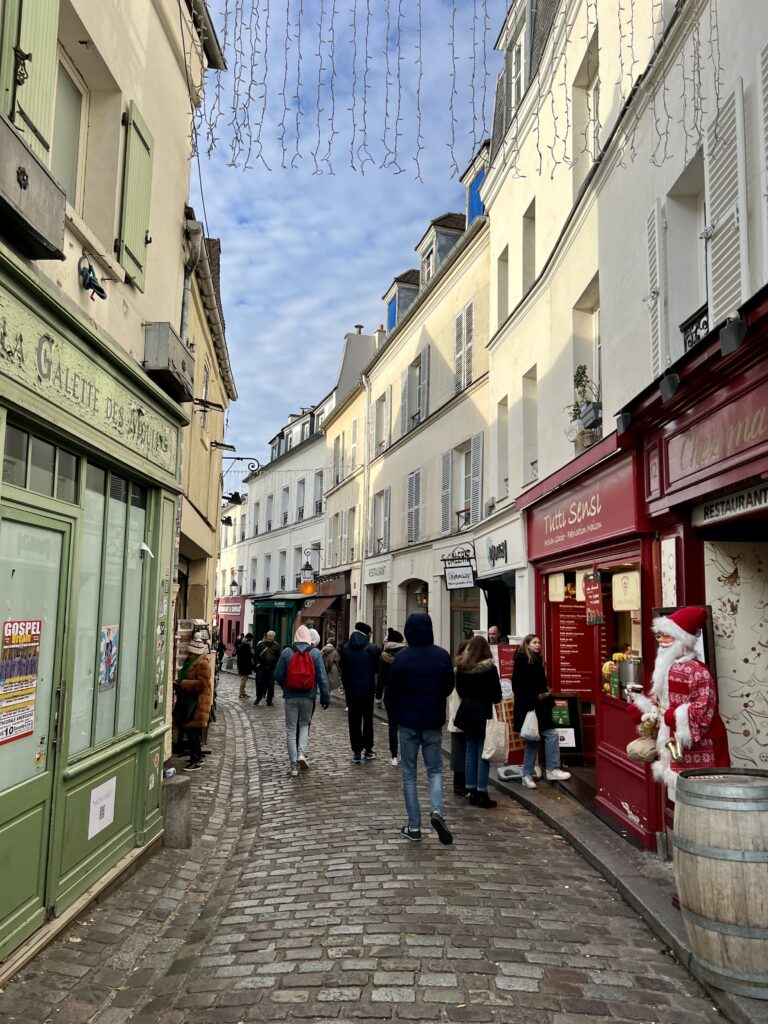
(278, 613)
(87, 526)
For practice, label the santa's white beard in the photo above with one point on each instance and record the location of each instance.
(665, 658)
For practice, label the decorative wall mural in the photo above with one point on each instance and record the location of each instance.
(737, 590)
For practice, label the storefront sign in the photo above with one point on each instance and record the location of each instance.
(377, 572)
(590, 511)
(730, 505)
(57, 370)
(457, 577)
(732, 430)
(497, 552)
(502, 548)
(19, 656)
(233, 608)
(593, 599)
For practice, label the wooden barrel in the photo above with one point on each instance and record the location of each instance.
(720, 845)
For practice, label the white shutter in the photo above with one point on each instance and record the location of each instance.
(387, 431)
(371, 547)
(385, 519)
(657, 289)
(372, 433)
(726, 195)
(329, 542)
(344, 545)
(476, 474)
(404, 403)
(410, 532)
(469, 330)
(458, 367)
(416, 505)
(353, 447)
(445, 492)
(424, 375)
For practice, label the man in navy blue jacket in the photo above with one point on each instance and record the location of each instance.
(420, 681)
(359, 665)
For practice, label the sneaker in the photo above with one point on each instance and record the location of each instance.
(370, 755)
(357, 759)
(438, 824)
(303, 762)
(414, 834)
(294, 772)
(557, 775)
(528, 782)
(194, 767)
(394, 762)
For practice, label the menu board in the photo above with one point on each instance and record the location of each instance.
(573, 649)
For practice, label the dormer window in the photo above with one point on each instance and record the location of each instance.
(391, 313)
(515, 72)
(427, 265)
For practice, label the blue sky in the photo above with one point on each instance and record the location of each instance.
(307, 255)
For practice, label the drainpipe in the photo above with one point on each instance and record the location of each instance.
(363, 597)
(194, 232)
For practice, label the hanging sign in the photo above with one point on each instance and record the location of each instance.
(593, 599)
(19, 658)
(459, 567)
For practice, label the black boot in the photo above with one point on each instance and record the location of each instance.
(473, 797)
(483, 800)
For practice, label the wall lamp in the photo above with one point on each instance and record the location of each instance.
(223, 447)
(668, 385)
(422, 596)
(309, 575)
(732, 335)
(209, 406)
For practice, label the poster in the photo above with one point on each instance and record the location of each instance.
(504, 659)
(110, 639)
(19, 658)
(101, 807)
(626, 591)
(593, 599)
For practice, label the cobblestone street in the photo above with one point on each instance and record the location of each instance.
(300, 900)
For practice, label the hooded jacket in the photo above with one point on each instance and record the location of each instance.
(420, 679)
(359, 665)
(301, 643)
(390, 650)
(332, 660)
(479, 689)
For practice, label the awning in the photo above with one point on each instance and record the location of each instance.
(317, 606)
(269, 604)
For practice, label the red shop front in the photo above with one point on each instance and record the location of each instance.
(229, 613)
(588, 520)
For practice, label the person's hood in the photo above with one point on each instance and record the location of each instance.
(314, 637)
(300, 646)
(358, 640)
(391, 648)
(302, 636)
(418, 630)
(478, 667)
(328, 648)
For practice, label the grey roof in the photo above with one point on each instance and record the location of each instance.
(546, 11)
(455, 221)
(408, 277)
(357, 353)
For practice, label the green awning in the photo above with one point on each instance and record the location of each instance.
(269, 604)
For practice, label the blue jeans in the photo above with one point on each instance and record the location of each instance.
(551, 752)
(431, 746)
(477, 768)
(298, 712)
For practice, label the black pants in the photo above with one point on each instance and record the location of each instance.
(195, 745)
(360, 719)
(265, 684)
(392, 725)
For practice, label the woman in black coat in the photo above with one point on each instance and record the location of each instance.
(477, 683)
(532, 693)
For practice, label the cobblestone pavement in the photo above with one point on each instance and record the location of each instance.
(300, 901)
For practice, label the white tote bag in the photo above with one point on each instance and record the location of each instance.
(453, 706)
(496, 745)
(530, 730)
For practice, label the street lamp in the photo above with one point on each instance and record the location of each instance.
(422, 596)
(309, 576)
(234, 587)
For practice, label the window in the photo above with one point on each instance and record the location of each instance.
(502, 286)
(586, 114)
(475, 206)
(318, 494)
(413, 522)
(267, 572)
(108, 609)
(464, 336)
(461, 473)
(685, 260)
(285, 504)
(256, 517)
(305, 430)
(70, 121)
(391, 313)
(414, 392)
(381, 423)
(378, 537)
(282, 562)
(275, 451)
(204, 396)
(35, 465)
(254, 574)
(530, 446)
(529, 247)
(300, 488)
(427, 265)
(502, 447)
(515, 68)
(133, 240)
(270, 509)
(290, 441)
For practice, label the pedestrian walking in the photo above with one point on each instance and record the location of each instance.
(194, 695)
(478, 685)
(359, 665)
(458, 739)
(266, 657)
(392, 647)
(244, 662)
(221, 650)
(420, 680)
(332, 662)
(531, 692)
(300, 673)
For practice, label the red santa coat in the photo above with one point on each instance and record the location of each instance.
(687, 704)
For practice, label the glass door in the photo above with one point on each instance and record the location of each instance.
(34, 558)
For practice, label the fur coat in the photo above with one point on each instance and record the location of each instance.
(199, 680)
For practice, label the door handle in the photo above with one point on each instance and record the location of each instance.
(60, 713)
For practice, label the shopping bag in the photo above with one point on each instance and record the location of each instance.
(496, 745)
(643, 750)
(453, 706)
(530, 730)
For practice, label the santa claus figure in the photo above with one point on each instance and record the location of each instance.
(683, 701)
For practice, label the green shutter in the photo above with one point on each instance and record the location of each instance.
(137, 189)
(33, 26)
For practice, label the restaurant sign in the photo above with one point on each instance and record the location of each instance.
(459, 567)
(57, 370)
(727, 506)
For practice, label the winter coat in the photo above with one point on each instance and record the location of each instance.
(332, 662)
(420, 678)
(244, 659)
(528, 681)
(266, 655)
(321, 679)
(479, 689)
(199, 680)
(359, 664)
(390, 649)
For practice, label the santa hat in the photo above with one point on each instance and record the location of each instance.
(683, 625)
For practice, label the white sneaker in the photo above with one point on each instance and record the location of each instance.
(303, 762)
(529, 783)
(557, 775)
(394, 762)
(294, 771)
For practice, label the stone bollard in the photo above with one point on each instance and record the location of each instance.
(177, 811)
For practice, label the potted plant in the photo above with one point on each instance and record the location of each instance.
(587, 409)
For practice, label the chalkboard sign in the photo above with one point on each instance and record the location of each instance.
(567, 717)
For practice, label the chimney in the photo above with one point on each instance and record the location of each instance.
(359, 328)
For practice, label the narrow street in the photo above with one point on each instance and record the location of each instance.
(299, 900)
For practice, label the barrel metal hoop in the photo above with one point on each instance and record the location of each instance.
(742, 931)
(720, 852)
(741, 983)
(719, 805)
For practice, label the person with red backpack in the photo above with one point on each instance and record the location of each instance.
(300, 672)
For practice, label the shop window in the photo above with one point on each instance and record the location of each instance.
(36, 465)
(108, 610)
(70, 122)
